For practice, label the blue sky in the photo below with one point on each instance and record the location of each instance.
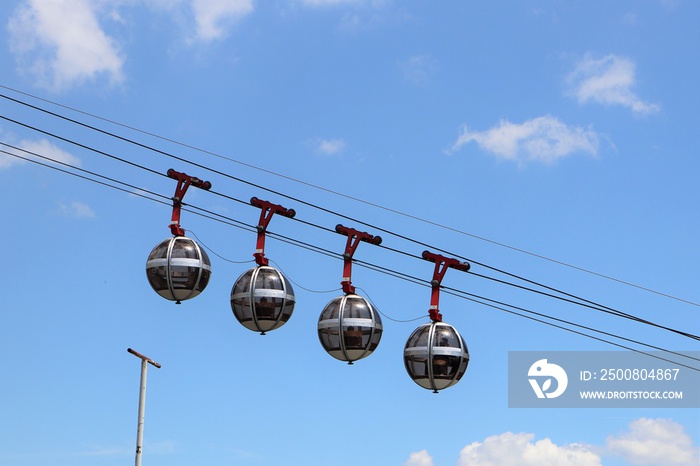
(552, 140)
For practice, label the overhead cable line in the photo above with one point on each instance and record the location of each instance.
(497, 304)
(458, 293)
(551, 324)
(406, 238)
(372, 204)
(596, 306)
(83, 146)
(135, 190)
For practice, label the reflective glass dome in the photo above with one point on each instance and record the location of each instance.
(349, 328)
(262, 299)
(178, 269)
(436, 356)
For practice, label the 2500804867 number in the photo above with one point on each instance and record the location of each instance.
(639, 374)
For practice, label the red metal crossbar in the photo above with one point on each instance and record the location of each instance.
(354, 238)
(268, 210)
(442, 263)
(184, 181)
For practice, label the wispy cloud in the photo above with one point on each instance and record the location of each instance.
(418, 69)
(608, 81)
(542, 139)
(661, 442)
(48, 150)
(328, 146)
(8, 161)
(101, 451)
(75, 209)
(164, 447)
(211, 15)
(32, 149)
(58, 56)
(325, 3)
(357, 15)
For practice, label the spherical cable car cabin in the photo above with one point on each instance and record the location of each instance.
(262, 299)
(349, 328)
(178, 268)
(436, 356)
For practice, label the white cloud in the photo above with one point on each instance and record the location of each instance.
(324, 3)
(419, 458)
(658, 442)
(61, 43)
(210, 14)
(543, 139)
(42, 147)
(47, 149)
(358, 15)
(648, 442)
(75, 209)
(329, 146)
(511, 449)
(8, 161)
(630, 19)
(418, 69)
(608, 81)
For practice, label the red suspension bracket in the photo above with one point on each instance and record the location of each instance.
(442, 263)
(354, 238)
(268, 210)
(184, 181)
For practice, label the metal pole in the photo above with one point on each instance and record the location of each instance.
(142, 401)
(142, 410)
